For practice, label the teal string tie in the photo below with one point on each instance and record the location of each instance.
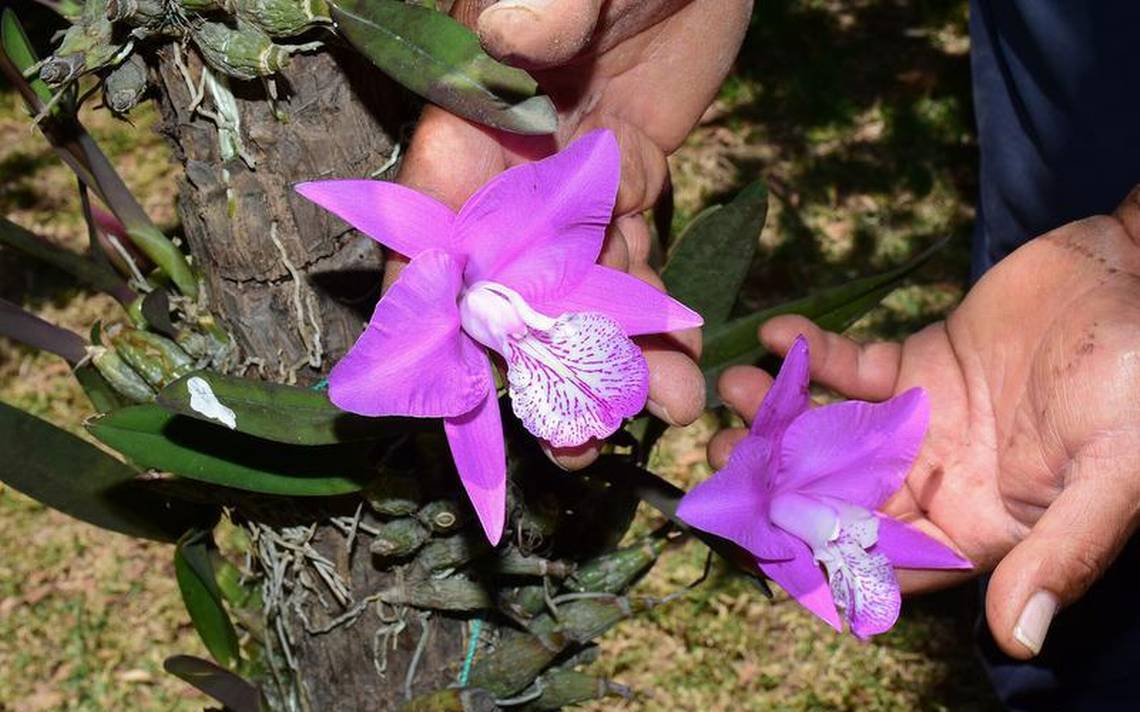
(472, 646)
(321, 385)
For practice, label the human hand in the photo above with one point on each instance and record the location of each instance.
(1031, 465)
(646, 70)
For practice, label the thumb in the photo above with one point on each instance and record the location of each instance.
(536, 34)
(1067, 550)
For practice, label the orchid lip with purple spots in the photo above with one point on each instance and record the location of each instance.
(515, 272)
(800, 493)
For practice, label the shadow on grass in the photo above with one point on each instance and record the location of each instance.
(863, 101)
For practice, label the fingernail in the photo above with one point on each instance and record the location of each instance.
(521, 5)
(549, 452)
(1033, 623)
(660, 411)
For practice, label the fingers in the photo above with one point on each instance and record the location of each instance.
(573, 458)
(1066, 551)
(743, 388)
(863, 371)
(537, 33)
(722, 444)
(676, 384)
(615, 251)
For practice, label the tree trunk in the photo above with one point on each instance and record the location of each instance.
(292, 285)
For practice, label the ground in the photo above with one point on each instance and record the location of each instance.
(856, 114)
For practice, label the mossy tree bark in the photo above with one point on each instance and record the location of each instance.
(293, 286)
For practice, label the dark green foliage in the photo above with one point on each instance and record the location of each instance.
(60, 470)
(442, 61)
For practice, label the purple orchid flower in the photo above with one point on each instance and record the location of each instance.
(801, 490)
(514, 272)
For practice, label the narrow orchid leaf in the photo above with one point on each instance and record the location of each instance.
(65, 473)
(285, 414)
(442, 61)
(90, 273)
(232, 690)
(80, 152)
(836, 308)
(60, 129)
(30, 330)
(141, 231)
(19, 49)
(151, 437)
(709, 261)
(203, 599)
(664, 497)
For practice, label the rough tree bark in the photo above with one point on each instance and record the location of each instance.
(292, 285)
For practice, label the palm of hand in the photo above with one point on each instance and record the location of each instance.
(1031, 465)
(1032, 383)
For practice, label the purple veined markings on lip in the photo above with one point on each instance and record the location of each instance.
(570, 378)
(800, 492)
(513, 271)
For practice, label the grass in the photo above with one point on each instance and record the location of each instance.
(857, 115)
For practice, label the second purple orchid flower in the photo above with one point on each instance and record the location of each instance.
(514, 271)
(800, 493)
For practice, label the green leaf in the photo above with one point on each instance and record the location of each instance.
(441, 60)
(203, 600)
(233, 691)
(285, 414)
(151, 437)
(19, 50)
(710, 259)
(835, 309)
(62, 471)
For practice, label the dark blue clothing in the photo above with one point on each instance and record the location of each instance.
(1057, 100)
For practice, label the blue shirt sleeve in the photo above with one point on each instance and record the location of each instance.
(1057, 103)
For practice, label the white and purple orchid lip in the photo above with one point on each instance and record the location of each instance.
(570, 378)
(840, 536)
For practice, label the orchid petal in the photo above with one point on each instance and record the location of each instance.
(803, 579)
(854, 451)
(397, 217)
(577, 380)
(788, 398)
(733, 504)
(863, 585)
(412, 358)
(909, 548)
(476, 440)
(539, 226)
(639, 307)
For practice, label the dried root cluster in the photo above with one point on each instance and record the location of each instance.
(534, 605)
